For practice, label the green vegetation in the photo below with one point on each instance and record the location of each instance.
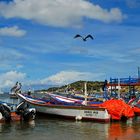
(95, 86)
(92, 87)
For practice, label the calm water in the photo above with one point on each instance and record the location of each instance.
(46, 128)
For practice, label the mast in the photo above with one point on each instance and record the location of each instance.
(138, 73)
(119, 87)
(85, 86)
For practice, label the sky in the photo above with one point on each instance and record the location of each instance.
(37, 44)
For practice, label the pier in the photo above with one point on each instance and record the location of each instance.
(115, 84)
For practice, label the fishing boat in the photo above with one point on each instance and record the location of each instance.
(135, 103)
(68, 108)
(75, 111)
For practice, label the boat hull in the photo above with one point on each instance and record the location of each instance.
(79, 112)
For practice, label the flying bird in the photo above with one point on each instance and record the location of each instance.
(84, 38)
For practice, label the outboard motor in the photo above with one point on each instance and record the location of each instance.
(29, 114)
(25, 112)
(5, 111)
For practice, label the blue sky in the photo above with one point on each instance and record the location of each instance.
(37, 44)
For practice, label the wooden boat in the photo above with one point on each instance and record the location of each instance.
(117, 108)
(64, 99)
(74, 111)
(72, 99)
(134, 102)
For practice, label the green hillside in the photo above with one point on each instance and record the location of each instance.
(92, 87)
(79, 86)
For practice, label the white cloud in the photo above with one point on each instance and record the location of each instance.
(10, 56)
(8, 79)
(59, 12)
(66, 77)
(12, 31)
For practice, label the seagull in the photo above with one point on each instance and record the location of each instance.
(84, 38)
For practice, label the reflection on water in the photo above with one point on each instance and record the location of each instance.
(15, 130)
(125, 131)
(46, 128)
(52, 128)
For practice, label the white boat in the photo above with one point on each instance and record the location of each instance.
(64, 99)
(78, 112)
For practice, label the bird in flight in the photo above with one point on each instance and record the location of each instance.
(84, 38)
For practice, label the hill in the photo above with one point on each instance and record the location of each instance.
(92, 86)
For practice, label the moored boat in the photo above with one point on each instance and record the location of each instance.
(73, 111)
(134, 102)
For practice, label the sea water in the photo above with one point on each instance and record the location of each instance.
(48, 128)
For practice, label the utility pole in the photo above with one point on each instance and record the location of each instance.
(138, 73)
(119, 88)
